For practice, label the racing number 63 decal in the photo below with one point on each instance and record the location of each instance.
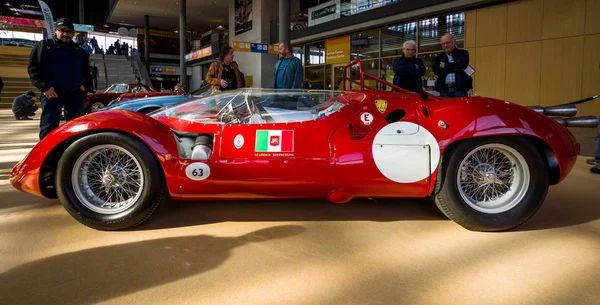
(197, 171)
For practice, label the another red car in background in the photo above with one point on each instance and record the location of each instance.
(132, 96)
(99, 100)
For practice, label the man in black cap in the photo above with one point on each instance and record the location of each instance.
(24, 106)
(61, 70)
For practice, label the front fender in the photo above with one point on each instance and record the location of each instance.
(157, 136)
(453, 120)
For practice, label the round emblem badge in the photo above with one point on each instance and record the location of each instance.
(366, 118)
(238, 141)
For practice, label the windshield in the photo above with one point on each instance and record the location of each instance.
(257, 106)
(117, 88)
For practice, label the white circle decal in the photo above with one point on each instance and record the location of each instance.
(238, 141)
(405, 157)
(197, 171)
(366, 118)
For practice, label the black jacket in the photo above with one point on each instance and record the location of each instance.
(64, 66)
(461, 61)
(406, 75)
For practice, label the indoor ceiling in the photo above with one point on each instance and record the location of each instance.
(202, 15)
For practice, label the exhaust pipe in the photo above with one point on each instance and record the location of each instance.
(584, 121)
(561, 110)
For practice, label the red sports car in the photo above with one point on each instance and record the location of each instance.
(99, 100)
(487, 163)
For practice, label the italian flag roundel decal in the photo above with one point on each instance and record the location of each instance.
(274, 141)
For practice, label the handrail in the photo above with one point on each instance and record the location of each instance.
(364, 74)
(105, 70)
(144, 75)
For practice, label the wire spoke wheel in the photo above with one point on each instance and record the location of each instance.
(493, 178)
(107, 179)
(96, 106)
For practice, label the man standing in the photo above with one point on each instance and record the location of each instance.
(61, 70)
(409, 69)
(288, 70)
(24, 106)
(94, 71)
(224, 74)
(453, 81)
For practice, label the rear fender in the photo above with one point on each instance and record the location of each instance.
(454, 120)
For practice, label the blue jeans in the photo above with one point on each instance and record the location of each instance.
(73, 103)
(95, 83)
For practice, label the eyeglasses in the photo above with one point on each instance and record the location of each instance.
(65, 31)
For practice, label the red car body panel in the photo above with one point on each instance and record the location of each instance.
(332, 157)
(158, 137)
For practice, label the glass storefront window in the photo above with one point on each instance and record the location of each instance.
(429, 60)
(387, 71)
(316, 54)
(365, 45)
(298, 52)
(369, 66)
(392, 38)
(315, 76)
(431, 31)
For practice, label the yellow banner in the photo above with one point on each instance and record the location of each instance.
(241, 46)
(337, 51)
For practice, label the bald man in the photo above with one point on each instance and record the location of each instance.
(450, 66)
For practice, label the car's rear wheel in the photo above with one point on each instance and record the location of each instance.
(491, 184)
(110, 181)
(96, 105)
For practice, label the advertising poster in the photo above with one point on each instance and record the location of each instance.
(337, 51)
(243, 16)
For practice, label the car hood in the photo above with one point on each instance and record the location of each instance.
(157, 100)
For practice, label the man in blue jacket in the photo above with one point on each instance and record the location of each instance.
(61, 70)
(288, 69)
(453, 81)
(409, 69)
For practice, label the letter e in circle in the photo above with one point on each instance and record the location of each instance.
(366, 118)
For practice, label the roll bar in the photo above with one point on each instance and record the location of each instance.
(364, 75)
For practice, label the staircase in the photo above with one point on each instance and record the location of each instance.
(13, 69)
(119, 69)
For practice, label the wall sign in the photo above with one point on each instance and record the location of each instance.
(324, 12)
(207, 51)
(337, 51)
(243, 16)
(254, 47)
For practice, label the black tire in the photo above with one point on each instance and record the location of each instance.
(153, 183)
(448, 199)
(90, 105)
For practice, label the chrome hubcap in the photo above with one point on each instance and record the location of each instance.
(107, 179)
(493, 178)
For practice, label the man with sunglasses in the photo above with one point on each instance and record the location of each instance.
(60, 70)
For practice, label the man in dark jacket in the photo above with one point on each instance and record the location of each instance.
(288, 72)
(61, 70)
(24, 106)
(453, 81)
(409, 69)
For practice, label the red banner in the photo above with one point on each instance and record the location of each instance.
(25, 22)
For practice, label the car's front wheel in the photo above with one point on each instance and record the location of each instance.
(110, 181)
(491, 184)
(96, 105)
